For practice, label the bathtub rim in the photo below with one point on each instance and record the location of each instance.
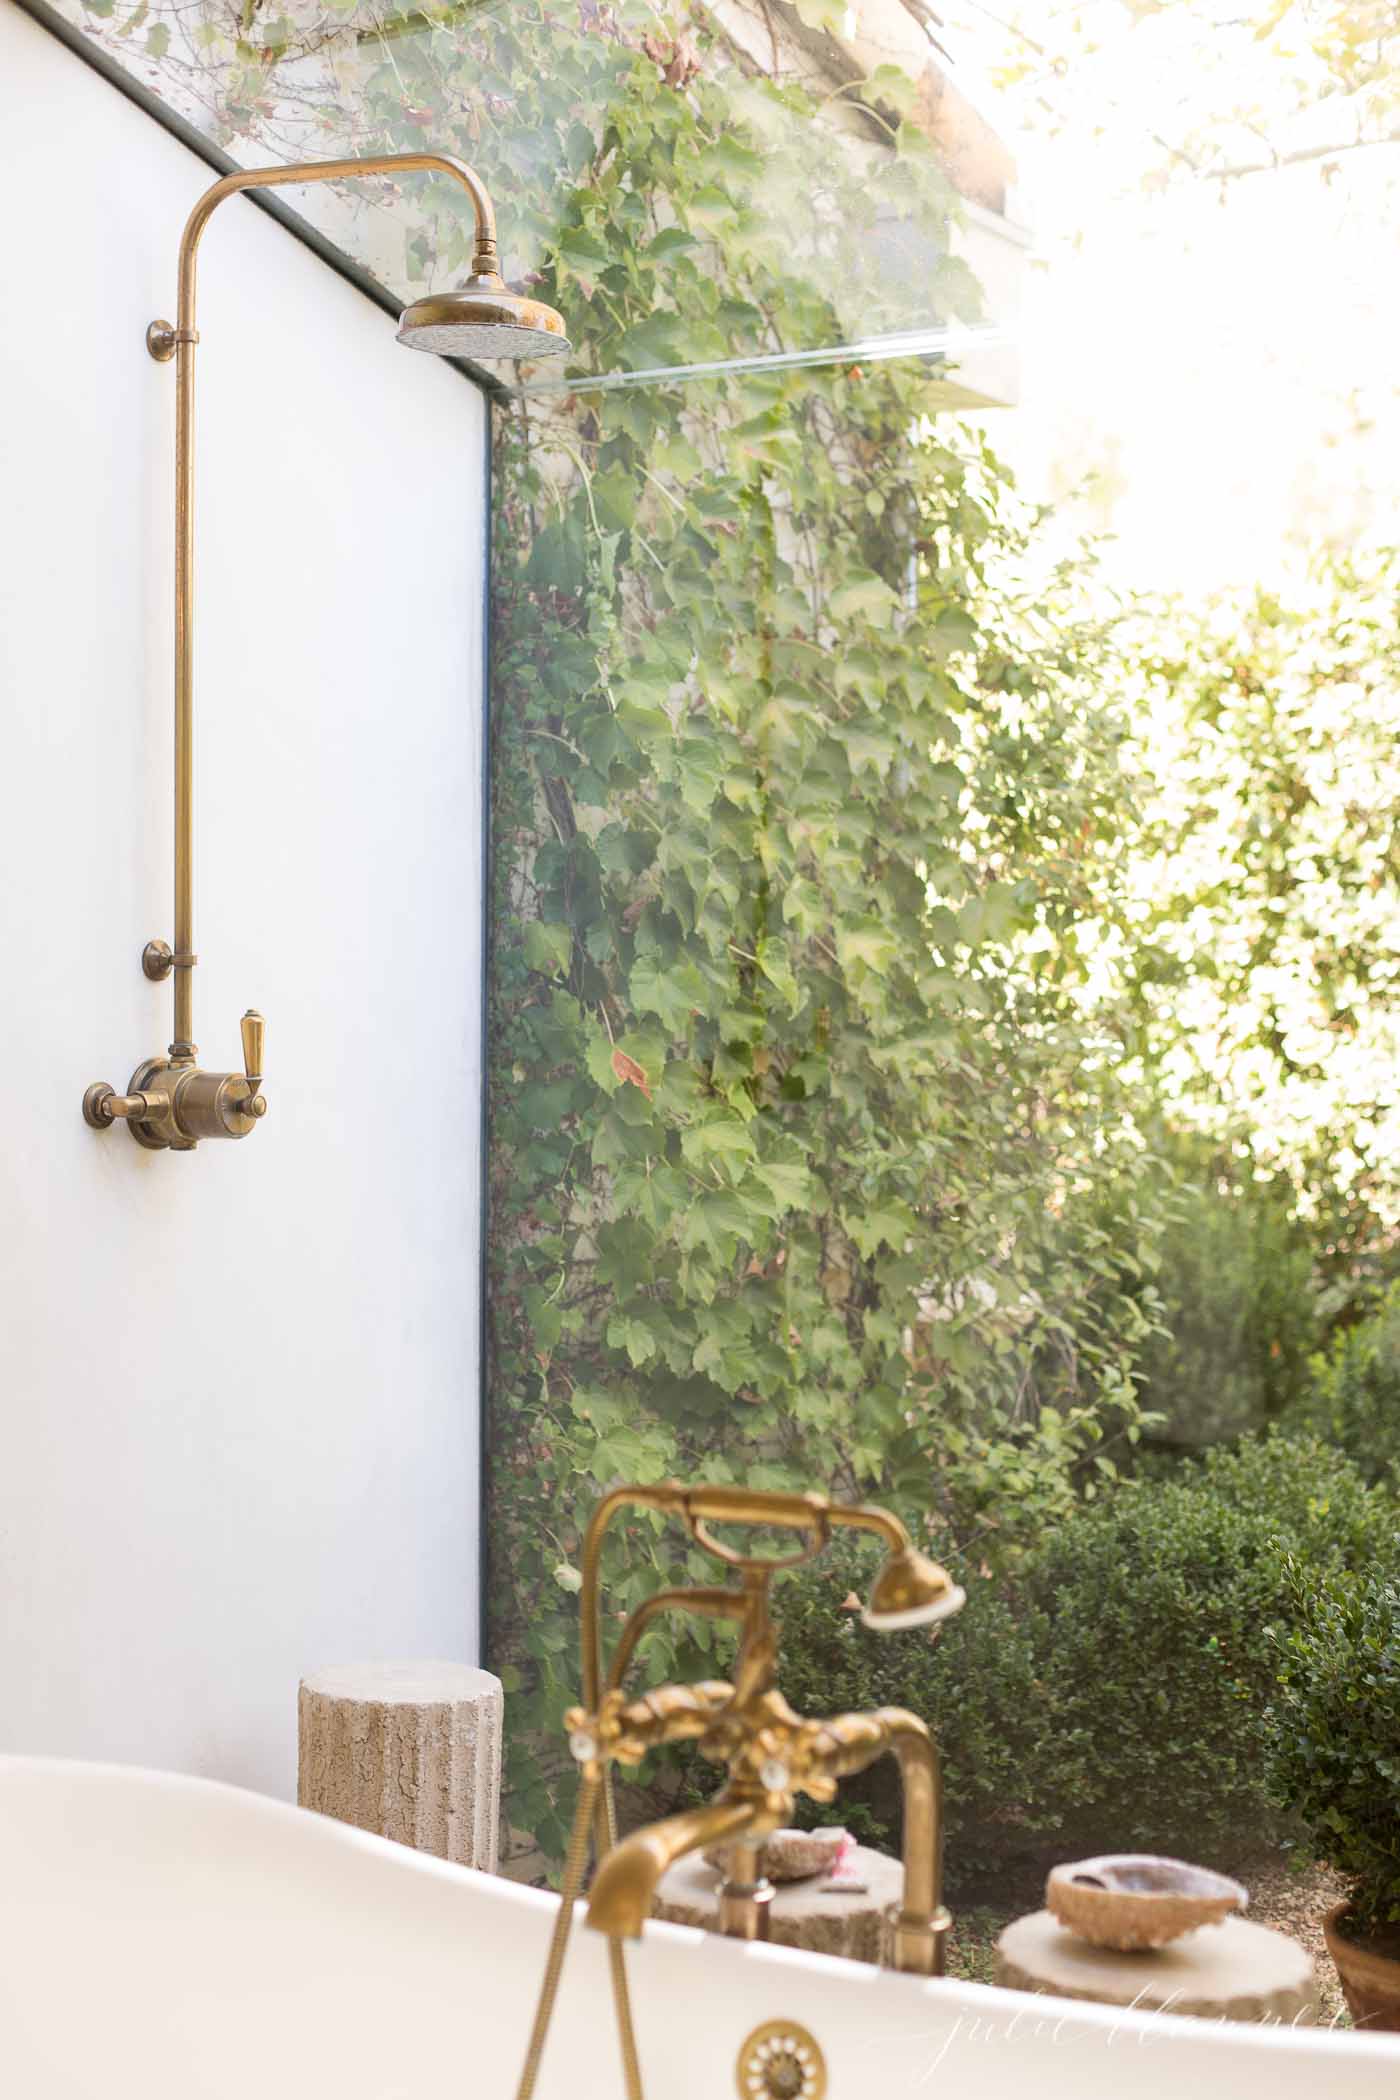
(308, 1828)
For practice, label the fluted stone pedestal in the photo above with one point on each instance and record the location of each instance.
(411, 1751)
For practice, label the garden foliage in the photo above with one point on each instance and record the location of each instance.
(1354, 1397)
(843, 992)
(1236, 1277)
(1268, 880)
(1336, 1730)
(1114, 1695)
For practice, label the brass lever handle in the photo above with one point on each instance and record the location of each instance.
(252, 1028)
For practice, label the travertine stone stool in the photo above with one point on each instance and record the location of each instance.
(799, 1915)
(409, 1750)
(1234, 1971)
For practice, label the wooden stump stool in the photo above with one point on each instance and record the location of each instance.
(411, 1751)
(800, 1915)
(1234, 1971)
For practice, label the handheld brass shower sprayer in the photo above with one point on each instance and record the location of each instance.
(171, 1104)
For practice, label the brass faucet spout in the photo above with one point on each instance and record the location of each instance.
(918, 1929)
(625, 1887)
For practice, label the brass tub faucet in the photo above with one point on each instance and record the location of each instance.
(770, 1753)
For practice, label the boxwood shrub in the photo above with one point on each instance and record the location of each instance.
(1116, 1696)
(1335, 1731)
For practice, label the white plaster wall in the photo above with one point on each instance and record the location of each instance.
(238, 1387)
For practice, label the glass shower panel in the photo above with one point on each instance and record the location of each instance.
(830, 192)
(807, 1131)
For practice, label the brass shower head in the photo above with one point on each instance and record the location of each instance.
(911, 1590)
(482, 318)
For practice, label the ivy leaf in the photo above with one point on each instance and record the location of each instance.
(638, 1340)
(866, 945)
(722, 1138)
(671, 993)
(710, 208)
(774, 962)
(892, 86)
(701, 764)
(991, 916)
(829, 15)
(889, 1226)
(787, 1185)
(714, 1225)
(629, 1071)
(670, 242)
(583, 251)
(912, 142)
(653, 342)
(958, 290)
(863, 596)
(598, 1057)
(548, 948)
(953, 631)
(868, 752)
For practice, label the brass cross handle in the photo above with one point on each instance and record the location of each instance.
(252, 1028)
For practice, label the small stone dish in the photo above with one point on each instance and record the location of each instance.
(790, 1855)
(1132, 1900)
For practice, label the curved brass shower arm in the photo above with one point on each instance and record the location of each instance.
(332, 171)
(864, 1516)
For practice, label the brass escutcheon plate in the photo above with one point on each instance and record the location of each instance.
(780, 2061)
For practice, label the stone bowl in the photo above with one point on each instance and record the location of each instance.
(789, 1855)
(1131, 1900)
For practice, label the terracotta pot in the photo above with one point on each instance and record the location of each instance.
(1370, 1979)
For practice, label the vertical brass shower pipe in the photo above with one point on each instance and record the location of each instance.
(163, 342)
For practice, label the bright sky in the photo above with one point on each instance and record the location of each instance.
(1226, 370)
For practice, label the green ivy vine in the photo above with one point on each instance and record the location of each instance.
(810, 1163)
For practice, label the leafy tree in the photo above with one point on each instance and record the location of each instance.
(1228, 91)
(1354, 1398)
(1237, 1275)
(1267, 888)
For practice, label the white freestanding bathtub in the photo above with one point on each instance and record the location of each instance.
(164, 1938)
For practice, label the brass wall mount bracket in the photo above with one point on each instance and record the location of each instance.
(158, 959)
(163, 340)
